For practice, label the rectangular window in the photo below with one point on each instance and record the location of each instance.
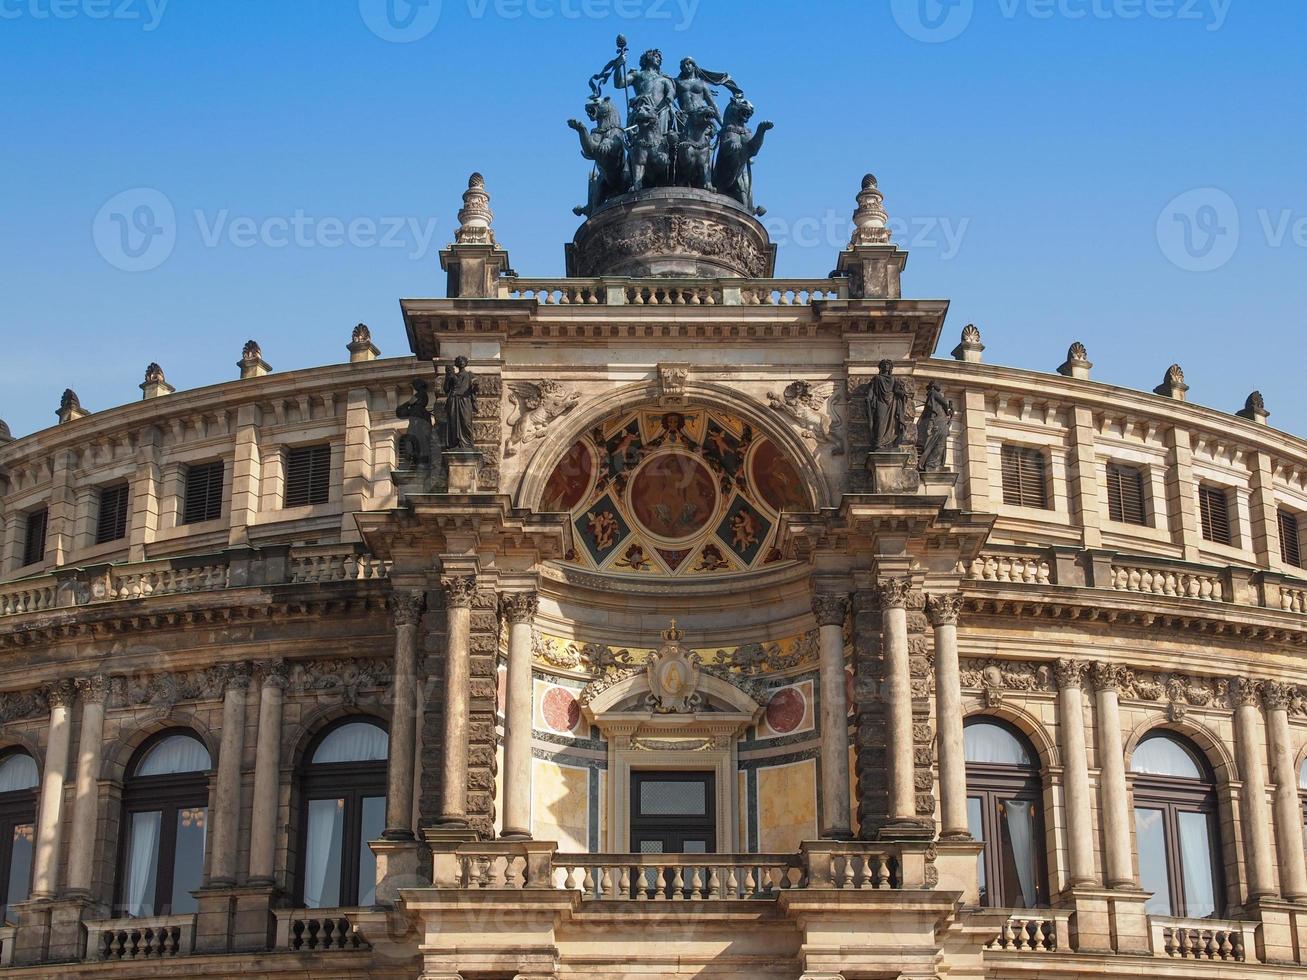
(1025, 477)
(308, 475)
(203, 493)
(34, 538)
(112, 522)
(1290, 550)
(1125, 495)
(1214, 511)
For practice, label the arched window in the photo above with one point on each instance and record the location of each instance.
(18, 783)
(1176, 829)
(1005, 812)
(165, 822)
(342, 808)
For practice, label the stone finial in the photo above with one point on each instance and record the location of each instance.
(70, 408)
(155, 384)
(5, 434)
(252, 364)
(1254, 409)
(971, 348)
(1077, 363)
(361, 347)
(475, 219)
(871, 220)
(1173, 385)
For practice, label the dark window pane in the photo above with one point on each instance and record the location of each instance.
(112, 522)
(20, 868)
(1290, 549)
(308, 476)
(203, 493)
(142, 862)
(1154, 876)
(322, 853)
(188, 863)
(1125, 494)
(1214, 511)
(374, 825)
(1025, 477)
(667, 798)
(976, 825)
(1196, 864)
(34, 538)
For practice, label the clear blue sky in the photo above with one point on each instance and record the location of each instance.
(1031, 158)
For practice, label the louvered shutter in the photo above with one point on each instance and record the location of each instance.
(308, 475)
(1025, 477)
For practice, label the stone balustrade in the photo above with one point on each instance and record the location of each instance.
(673, 292)
(1173, 582)
(318, 929)
(1021, 569)
(335, 563)
(1203, 939)
(28, 596)
(161, 578)
(162, 937)
(1045, 931)
(680, 877)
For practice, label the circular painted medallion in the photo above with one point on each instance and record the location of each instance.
(785, 710)
(561, 710)
(777, 480)
(570, 480)
(674, 496)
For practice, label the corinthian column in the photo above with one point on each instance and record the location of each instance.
(519, 608)
(1288, 807)
(1252, 771)
(406, 608)
(459, 593)
(227, 809)
(831, 611)
(50, 816)
(898, 696)
(1075, 771)
(86, 797)
(943, 611)
(267, 774)
(1118, 859)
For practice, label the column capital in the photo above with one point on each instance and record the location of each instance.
(94, 689)
(1108, 677)
(830, 609)
(1275, 696)
(460, 591)
(235, 677)
(59, 694)
(1245, 693)
(407, 606)
(943, 607)
(1070, 673)
(275, 673)
(894, 592)
(519, 608)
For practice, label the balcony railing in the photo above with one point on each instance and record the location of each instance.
(674, 292)
(157, 938)
(512, 866)
(1042, 931)
(179, 576)
(1203, 939)
(301, 930)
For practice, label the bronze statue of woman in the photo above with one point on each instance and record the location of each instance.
(460, 406)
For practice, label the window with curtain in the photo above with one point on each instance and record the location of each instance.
(1005, 812)
(18, 790)
(1176, 832)
(1025, 477)
(342, 808)
(165, 826)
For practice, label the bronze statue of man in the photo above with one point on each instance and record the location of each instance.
(415, 444)
(651, 83)
(887, 410)
(460, 406)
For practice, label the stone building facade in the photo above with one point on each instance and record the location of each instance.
(677, 673)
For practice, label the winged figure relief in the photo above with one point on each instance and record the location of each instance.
(535, 406)
(812, 407)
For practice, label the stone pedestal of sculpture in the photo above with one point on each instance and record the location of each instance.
(894, 472)
(462, 465)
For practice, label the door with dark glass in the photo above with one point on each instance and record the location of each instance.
(673, 812)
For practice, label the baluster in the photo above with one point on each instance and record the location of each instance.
(678, 883)
(624, 885)
(732, 881)
(569, 882)
(588, 882)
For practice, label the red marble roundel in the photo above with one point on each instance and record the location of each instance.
(569, 481)
(777, 480)
(561, 710)
(674, 496)
(785, 710)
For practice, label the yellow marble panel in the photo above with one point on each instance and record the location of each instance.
(560, 806)
(787, 806)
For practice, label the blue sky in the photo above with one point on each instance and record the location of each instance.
(1123, 172)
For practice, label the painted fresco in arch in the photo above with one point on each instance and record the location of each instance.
(694, 492)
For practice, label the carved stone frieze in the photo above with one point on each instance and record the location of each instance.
(813, 409)
(598, 251)
(536, 406)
